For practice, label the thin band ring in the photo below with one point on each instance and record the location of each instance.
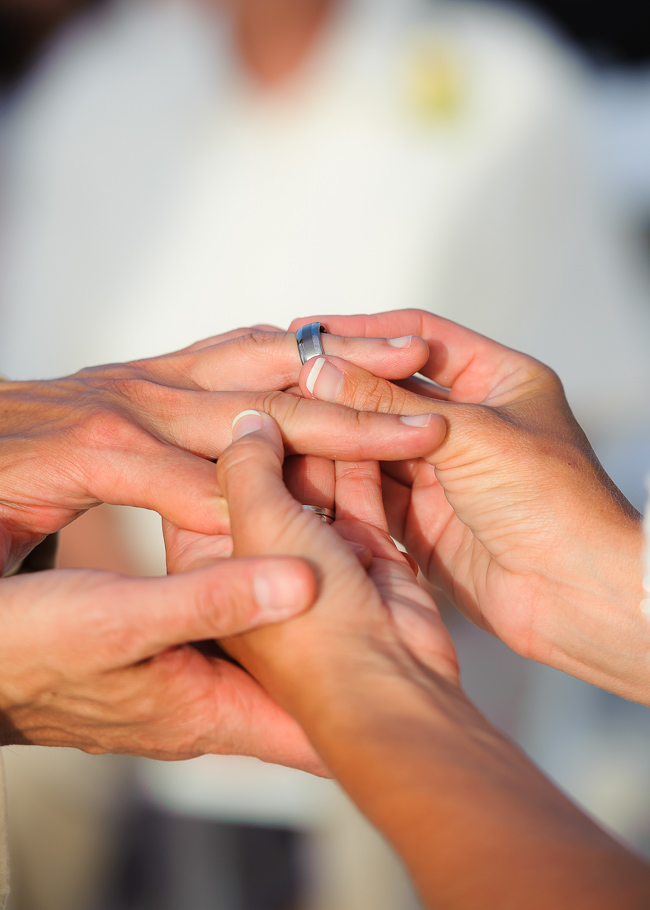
(308, 340)
(326, 515)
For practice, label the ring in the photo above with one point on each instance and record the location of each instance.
(308, 340)
(326, 515)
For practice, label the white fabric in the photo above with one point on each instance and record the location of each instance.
(646, 554)
(154, 196)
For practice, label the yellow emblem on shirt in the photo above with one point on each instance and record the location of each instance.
(434, 81)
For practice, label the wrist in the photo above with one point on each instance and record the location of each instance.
(594, 627)
(352, 691)
(459, 802)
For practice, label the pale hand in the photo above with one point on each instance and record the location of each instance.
(371, 675)
(512, 516)
(383, 606)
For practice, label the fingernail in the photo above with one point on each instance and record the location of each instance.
(276, 591)
(403, 342)
(324, 380)
(416, 420)
(246, 422)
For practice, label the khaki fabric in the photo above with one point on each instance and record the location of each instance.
(4, 847)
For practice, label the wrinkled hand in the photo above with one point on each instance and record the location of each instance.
(143, 433)
(103, 662)
(512, 516)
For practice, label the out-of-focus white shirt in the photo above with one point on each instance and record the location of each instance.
(646, 552)
(153, 195)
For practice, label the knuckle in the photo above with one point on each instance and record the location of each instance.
(417, 319)
(106, 427)
(372, 394)
(257, 342)
(361, 471)
(549, 379)
(259, 338)
(134, 389)
(533, 374)
(283, 408)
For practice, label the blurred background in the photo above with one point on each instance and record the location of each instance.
(173, 169)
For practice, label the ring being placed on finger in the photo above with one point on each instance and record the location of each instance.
(326, 515)
(308, 341)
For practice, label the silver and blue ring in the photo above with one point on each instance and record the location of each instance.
(308, 340)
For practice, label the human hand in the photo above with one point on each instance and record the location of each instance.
(512, 516)
(143, 433)
(365, 625)
(371, 675)
(104, 663)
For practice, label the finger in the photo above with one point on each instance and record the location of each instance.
(266, 327)
(424, 387)
(310, 480)
(211, 341)
(72, 681)
(227, 598)
(186, 550)
(358, 493)
(314, 481)
(418, 516)
(145, 472)
(397, 500)
(360, 550)
(114, 620)
(201, 423)
(265, 517)
(344, 434)
(377, 541)
(334, 380)
(224, 336)
(468, 363)
(263, 360)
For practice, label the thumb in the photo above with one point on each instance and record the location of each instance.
(224, 599)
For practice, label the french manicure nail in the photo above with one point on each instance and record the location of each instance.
(416, 420)
(328, 379)
(246, 422)
(403, 342)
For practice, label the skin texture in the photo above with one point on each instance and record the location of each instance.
(105, 664)
(143, 433)
(371, 675)
(512, 517)
(91, 659)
